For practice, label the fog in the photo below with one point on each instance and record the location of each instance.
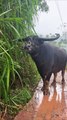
(54, 20)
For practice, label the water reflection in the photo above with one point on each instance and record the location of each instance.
(58, 88)
(59, 92)
(38, 95)
(65, 97)
(65, 89)
(65, 94)
(51, 90)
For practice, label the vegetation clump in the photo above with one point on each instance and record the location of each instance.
(18, 73)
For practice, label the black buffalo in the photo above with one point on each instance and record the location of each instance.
(48, 59)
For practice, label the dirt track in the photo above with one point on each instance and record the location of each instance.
(52, 107)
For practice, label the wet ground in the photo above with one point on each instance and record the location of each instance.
(52, 107)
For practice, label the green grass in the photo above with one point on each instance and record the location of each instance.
(18, 73)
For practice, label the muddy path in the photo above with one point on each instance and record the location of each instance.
(52, 107)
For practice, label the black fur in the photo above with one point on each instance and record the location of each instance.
(48, 59)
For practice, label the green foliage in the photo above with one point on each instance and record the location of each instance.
(17, 70)
(20, 96)
(43, 5)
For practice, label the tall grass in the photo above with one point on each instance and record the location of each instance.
(16, 21)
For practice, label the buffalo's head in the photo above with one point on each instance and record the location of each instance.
(32, 43)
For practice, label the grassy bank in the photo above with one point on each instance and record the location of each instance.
(18, 73)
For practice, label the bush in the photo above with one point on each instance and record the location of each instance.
(17, 71)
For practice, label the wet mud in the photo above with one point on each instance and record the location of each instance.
(48, 107)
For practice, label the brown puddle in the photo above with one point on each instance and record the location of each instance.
(52, 107)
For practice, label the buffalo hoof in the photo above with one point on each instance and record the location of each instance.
(45, 88)
(42, 89)
(53, 83)
(46, 92)
(63, 81)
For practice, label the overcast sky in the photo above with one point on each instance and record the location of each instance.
(52, 21)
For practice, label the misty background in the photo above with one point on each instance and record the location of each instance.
(53, 21)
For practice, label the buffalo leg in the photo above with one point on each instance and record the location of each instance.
(55, 75)
(63, 72)
(54, 80)
(45, 88)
